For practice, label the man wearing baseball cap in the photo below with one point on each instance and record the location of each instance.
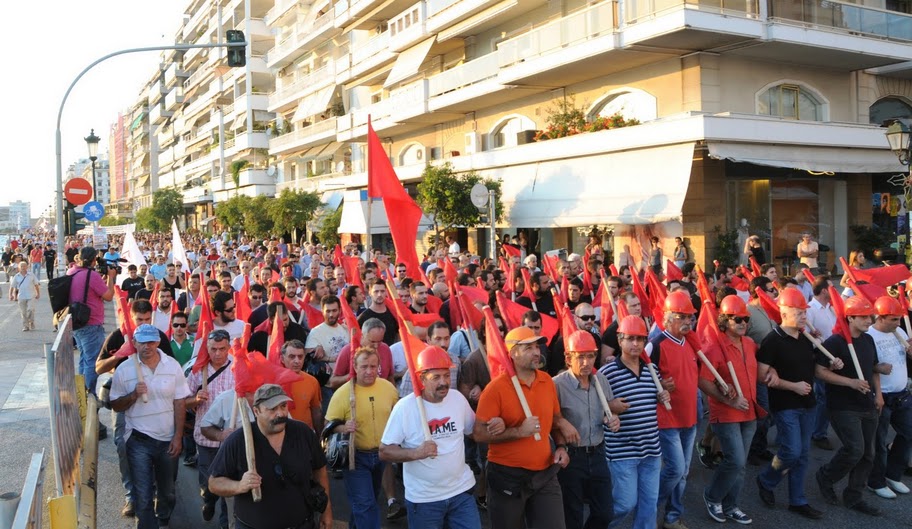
(154, 424)
(522, 471)
(287, 456)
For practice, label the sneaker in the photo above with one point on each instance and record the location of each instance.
(807, 511)
(898, 486)
(884, 492)
(102, 432)
(737, 515)
(190, 461)
(865, 508)
(208, 510)
(714, 510)
(766, 495)
(128, 510)
(677, 524)
(706, 456)
(826, 488)
(25, 329)
(394, 510)
(823, 443)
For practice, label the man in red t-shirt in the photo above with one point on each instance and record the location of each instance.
(35, 257)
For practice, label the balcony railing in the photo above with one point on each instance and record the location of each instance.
(465, 74)
(572, 29)
(197, 76)
(636, 10)
(320, 76)
(849, 17)
(302, 134)
(370, 48)
(279, 9)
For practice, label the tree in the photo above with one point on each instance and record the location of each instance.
(167, 204)
(111, 220)
(231, 212)
(447, 196)
(257, 220)
(293, 209)
(329, 228)
(146, 221)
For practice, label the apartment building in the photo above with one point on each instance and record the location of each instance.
(754, 112)
(119, 204)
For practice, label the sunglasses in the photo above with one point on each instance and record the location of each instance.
(588, 317)
(256, 297)
(218, 335)
(229, 309)
(740, 319)
(178, 325)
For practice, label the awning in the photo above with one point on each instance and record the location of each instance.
(138, 121)
(817, 159)
(207, 220)
(354, 215)
(313, 104)
(329, 151)
(409, 61)
(643, 186)
(142, 181)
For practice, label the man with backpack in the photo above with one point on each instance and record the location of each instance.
(90, 290)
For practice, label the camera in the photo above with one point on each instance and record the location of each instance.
(105, 264)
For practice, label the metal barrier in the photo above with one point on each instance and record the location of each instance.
(28, 512)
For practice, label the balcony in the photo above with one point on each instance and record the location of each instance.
(342, 15)
(243, 103)
(301, 87)
(175, 74)
(304, 137)
(174, 99)
(198, 76)
(408, 102)
(371, 54)
(408, 27)
(278, 10)
(463, 87)
(244, 141)
(302, 34)
(158, 114)
(442, 14)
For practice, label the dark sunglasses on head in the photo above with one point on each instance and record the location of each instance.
(178, 325)
(740, 319)
(587, 317)
(218, 335)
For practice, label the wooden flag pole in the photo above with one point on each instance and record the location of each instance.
(818, 345)
(232, 424)
(731, 370)
(593, 379)
(901, 340)
(522, 402)
(257, 493)
(140, 377)
(719, 380)
(658, 383)
(855, 361)
(351, 440)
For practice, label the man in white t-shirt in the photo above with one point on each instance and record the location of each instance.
(438, 482)
(326, 341)
(453, 245)
(808, 251)
(25, 289)
(891, 342)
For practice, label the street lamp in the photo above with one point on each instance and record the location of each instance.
(92, 141)
(899, 135)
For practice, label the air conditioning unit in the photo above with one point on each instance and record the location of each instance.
(472, 142)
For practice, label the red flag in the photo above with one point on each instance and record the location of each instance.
(498, 360)
(470, 312)
(567, 324)
(842, 326)
(245, 338)
(477, 295)
(512, 251)
(640, 292)
(412, 346)
(605, 304)
(657, 294)
(338, 255)
(564, 287)
(174, 311)
(672, 272)
(748, 275)
(884, 276)
(867, 290)
(205, 314)
(769, 305)
(456, 313)
(434, 303)
(449, 271)
(402, 212)
(755, 267)
(125, 322)
(527, 284)
(314, 317)
(613, 269)
(202, 357)
(622, 310)
(242, 301)
(350, 264)
(348, 316)
(252, 370)
(512, 314)
(703, 289)
(739, 283)
(276, 340)
(154, 298)
(507, 269)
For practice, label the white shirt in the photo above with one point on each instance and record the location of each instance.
(433, 479)
(166, 384)
(238, 282)
(26, 285)
(162, 319)
(333, 339)
(890, 351)
(397, 350)
(454, 248)
(821, 318)
(235, 328)
(219, 414)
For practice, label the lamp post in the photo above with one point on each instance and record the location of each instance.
(899, 136)
(92, 141)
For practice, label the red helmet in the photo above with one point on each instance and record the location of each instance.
(633, 326)
(433, 357)
(679, 301)
(887, 306)
(858, 306)
(581, 342)
(793, 298)
(733, 306)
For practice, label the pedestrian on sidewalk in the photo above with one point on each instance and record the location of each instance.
(25, 290)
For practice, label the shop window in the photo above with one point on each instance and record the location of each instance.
(888, 108)
(791, 101)
(506, 132)
(628, 102)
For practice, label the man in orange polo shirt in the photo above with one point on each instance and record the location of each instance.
(523, 490)
(305, 393)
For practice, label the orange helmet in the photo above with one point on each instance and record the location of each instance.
(633, 326)
(433, 357)
(679, 301)
(581, 342)
(887, 306)
(858, 306)
(793, 298)
(733, 306)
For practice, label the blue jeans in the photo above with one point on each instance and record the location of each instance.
(677, 451)
(36, 269)
(126, 477)
(89, 340)
(362, 486)
(760, 441)
(586, 479)
(635, 486)
(205, 455)
(727, 481)
(891, 462)
(821, 416)
(794, 427)
(458, 512)
(153, 479)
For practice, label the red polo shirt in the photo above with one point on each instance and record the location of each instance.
(678, 361)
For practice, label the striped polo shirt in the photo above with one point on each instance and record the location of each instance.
(638, 436)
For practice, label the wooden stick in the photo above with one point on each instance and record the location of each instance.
(855, 361)
(593, 379)
(658, 383)
(908, 325)
(614, 306)
(818, 345)
(205, 377)
(424, 421)
(731, 370)
(722, 385)
(534, 306)
(351, 440)
(257, 493)
(232, 424)
(902, 340)
(522, 402)
(139, 376)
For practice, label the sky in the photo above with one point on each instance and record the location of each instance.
(48, 44)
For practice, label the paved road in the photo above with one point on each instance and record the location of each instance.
(24, 429)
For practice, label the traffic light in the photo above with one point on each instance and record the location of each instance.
(73, 221)
(237, 53)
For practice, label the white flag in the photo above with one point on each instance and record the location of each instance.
(177, 248)
(130, 250)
